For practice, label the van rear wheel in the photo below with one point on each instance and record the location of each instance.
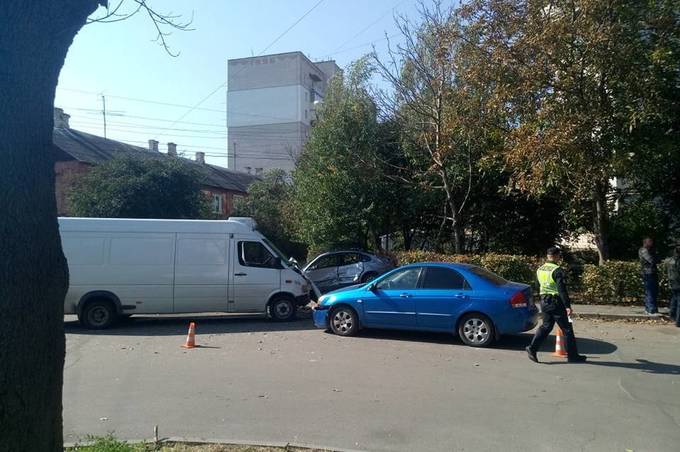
(282, 309)
(98, 314)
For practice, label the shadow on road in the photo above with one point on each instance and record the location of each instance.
(205, 324)
(586, 346)
(511, 342)
(642, 365)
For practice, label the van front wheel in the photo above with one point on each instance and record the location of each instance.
(98, 314)
(282, 309)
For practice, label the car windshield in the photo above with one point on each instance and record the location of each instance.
(487, 276)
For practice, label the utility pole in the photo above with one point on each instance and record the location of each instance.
(104, 113)
(234, 156)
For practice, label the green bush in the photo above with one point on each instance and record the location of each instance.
(618, 282)
(513, 267)
(614, 282)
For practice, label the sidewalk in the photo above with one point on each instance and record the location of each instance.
(617, 312)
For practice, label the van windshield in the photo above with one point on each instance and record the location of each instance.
(277, 251)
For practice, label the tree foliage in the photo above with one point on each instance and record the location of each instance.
(140, 188)
(341, 196)
(269, 203)
(582, 82)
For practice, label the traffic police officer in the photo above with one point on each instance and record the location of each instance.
(555, 307)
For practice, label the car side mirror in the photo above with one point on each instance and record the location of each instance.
(373, 287)
(278, 263)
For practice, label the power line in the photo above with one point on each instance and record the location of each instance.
(364, 44)
(147, 101)
(292, 26)
(265, 49)
(368, 26)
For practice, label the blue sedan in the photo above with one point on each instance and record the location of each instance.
(467, 300)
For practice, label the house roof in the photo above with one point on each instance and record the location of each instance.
(93, 149)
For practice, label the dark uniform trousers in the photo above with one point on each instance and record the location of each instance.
(553, 311)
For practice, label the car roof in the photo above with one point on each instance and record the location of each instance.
(454, 265)
(343, 251)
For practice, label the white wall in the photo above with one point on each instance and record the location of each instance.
(281, 104)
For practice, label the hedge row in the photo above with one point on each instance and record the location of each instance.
(618, 282)
(611, 283)
(513, 267)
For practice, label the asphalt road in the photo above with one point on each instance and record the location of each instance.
(258, 381)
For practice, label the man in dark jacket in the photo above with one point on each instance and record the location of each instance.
(673, 267)
(555, 307)
(650, 275)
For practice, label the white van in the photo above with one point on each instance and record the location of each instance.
(120, 267)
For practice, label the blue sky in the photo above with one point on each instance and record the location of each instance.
(122, 61)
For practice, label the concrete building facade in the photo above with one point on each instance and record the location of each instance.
(271, 105)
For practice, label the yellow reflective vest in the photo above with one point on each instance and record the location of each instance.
(547, 283)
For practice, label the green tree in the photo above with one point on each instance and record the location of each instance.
(582, 83)
(269, 203)
(446, 129)
(140, 188)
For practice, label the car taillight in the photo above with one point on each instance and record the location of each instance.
(518, 300)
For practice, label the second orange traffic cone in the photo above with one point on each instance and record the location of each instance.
(560, 346)
(191, 337)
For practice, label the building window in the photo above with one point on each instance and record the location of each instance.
(306, 96)
(217, 204)
(258, 171)
(305, 114)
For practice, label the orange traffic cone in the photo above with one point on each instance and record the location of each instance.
(560, 346)
(191, 337)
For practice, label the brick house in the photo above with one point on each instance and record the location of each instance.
(77, 152)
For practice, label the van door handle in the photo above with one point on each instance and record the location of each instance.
(405, 295)
(240, 274)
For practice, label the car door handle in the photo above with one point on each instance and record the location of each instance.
(240, 274)
(460, 296)
(405, 295)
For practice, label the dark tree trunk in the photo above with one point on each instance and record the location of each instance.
(408, 238)
(34, 38)
(601, 222)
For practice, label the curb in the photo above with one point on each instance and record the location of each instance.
(203, 441)
(626, 317)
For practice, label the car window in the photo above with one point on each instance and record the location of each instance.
(488, 276)
(325, 262)
(350, 258)
(443, 278)
(254, 254)
(406, 279)
(365, 258)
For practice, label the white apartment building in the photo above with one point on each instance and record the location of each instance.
(271, 103)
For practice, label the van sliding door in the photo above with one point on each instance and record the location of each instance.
(201, 273)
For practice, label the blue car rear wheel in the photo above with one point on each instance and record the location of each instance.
(476, 330)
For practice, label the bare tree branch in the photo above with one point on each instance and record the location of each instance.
(163, 22)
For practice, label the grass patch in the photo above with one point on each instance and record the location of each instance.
(110, 444)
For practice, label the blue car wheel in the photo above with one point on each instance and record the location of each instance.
(476, 330)
(344, 321)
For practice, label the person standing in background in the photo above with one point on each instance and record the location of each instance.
(673, 268)
(650, 275)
